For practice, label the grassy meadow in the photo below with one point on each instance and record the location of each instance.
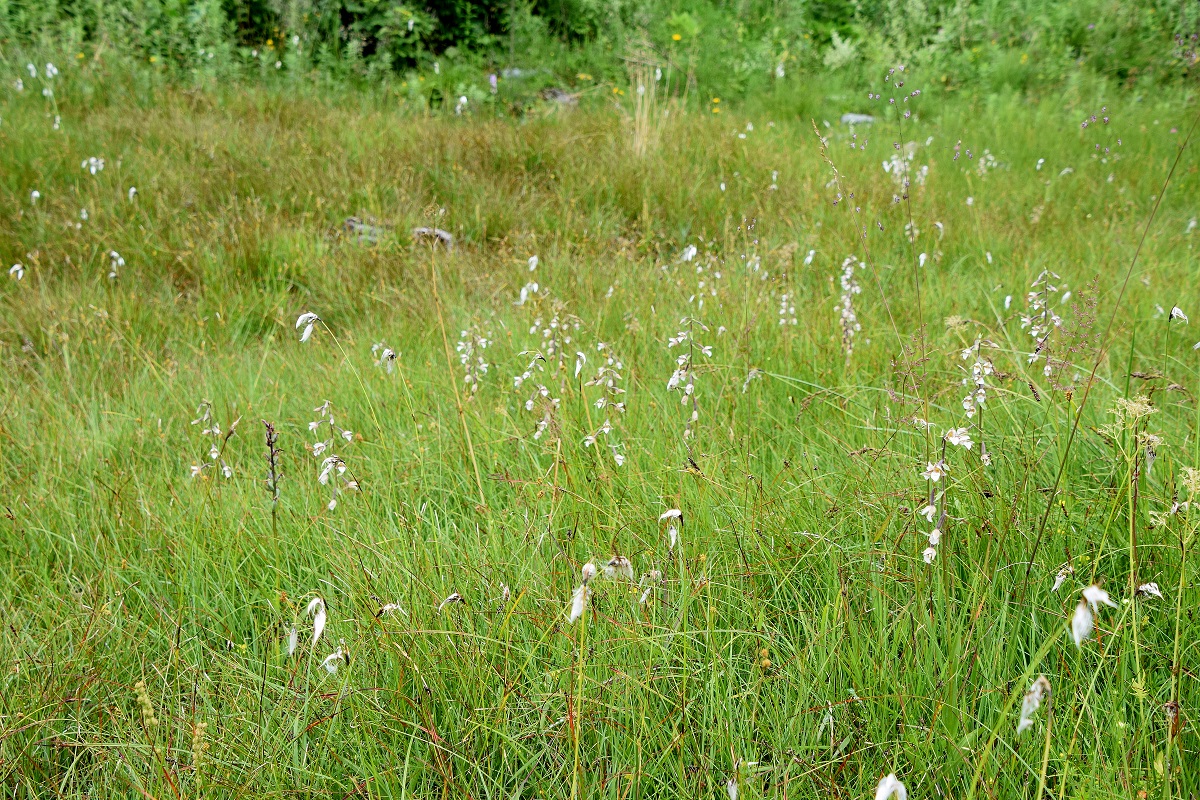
(697, 340)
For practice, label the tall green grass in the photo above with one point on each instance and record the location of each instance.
(797, 644)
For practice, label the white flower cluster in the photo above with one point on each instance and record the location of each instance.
(541, 396)
(976, 382)
(556, 333)
(217, 439)
(787, 309)
(705, 286)
(607, 378)
(470, 347)
(1041, 318)
(683, 378)
(385, 357)
(332, 465)
(845, 307)
(902, 169)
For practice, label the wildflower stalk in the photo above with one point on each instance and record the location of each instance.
(1003, 718)
(579, 701)
(273, 453)
(1045, 750)
(1100, 353)
(462, 415)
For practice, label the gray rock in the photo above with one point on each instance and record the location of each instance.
(433, 236)
(555, 95)
(364, 231)
(857, 119)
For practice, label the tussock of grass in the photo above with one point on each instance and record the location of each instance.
(797, 642)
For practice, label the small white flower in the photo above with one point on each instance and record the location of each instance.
(688, 253)
(316, 607)
(808, 259)
(1081, 623)
(533, 263)
(1177, 313)
(928, 512)
(935, 537)
(959, 437)
(32, 70)
(673, 513)
(588, 571)
(34, 195)
(929, 554)
(306, 320)
(132, 192)
(390, 608)
(51, 70)
(731, 788)
(16, 271)
(293, 640)
(891, 787)
(1033, 699)
(934, 472)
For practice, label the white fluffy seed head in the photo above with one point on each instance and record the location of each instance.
(1081, 623)
(1032, 700)
(316, 607)
(579, 602)
(890, 787)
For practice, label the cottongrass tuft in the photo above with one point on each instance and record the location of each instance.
(316, 607)
(1149, 590)
(389, 608)
(650, 580)
(335, 659)
(1064, 572)
(306, 320)
(670, 517)
(1032, 700)
(890, 787)
(579, 602)
(1095, 596)
(453, 598)
(1082, 623)
(618, 566)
